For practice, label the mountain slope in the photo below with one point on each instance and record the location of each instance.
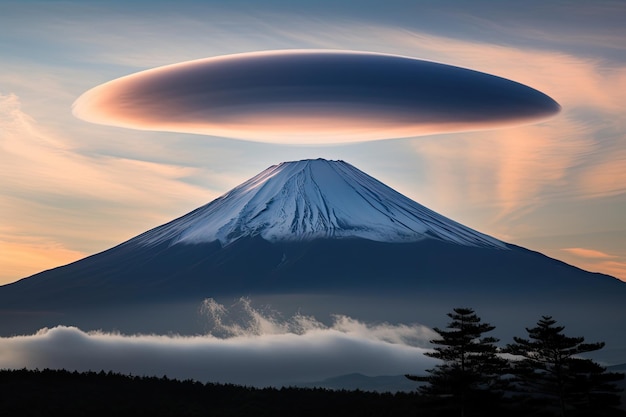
(301, 233)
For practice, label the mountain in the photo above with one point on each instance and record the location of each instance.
(313, 199)
(315, 236)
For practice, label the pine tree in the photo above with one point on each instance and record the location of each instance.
(470, 374)
(553, 376)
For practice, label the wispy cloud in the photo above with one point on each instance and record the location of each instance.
(260, 352)
(598, 261)
(527, 160)
(50, 189)
(589, 253)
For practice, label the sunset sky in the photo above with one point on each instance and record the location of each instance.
(69, 188)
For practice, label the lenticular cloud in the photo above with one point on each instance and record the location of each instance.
(252, 349)
(313, 97)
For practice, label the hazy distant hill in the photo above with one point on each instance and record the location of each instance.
(390, 383)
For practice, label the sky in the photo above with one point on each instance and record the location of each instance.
(70, 188)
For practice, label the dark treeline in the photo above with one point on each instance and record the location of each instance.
(60, 392)
(63, 393)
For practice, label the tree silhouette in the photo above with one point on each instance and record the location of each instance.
(552, 375)
(470, 374)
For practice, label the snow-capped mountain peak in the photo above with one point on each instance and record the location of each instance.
(309, 199)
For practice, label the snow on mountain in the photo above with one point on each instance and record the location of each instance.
(309, 199)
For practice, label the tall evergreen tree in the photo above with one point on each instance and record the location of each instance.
(470, 374)
(553, 377)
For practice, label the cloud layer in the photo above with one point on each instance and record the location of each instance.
(314, 97)
(253, 349)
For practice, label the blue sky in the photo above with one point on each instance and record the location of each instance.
(71, 188)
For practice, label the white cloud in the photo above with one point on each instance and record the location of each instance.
(275, 353)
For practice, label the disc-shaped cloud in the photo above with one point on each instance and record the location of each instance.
(312, 97)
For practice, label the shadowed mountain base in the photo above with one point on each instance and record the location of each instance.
(134, 288)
